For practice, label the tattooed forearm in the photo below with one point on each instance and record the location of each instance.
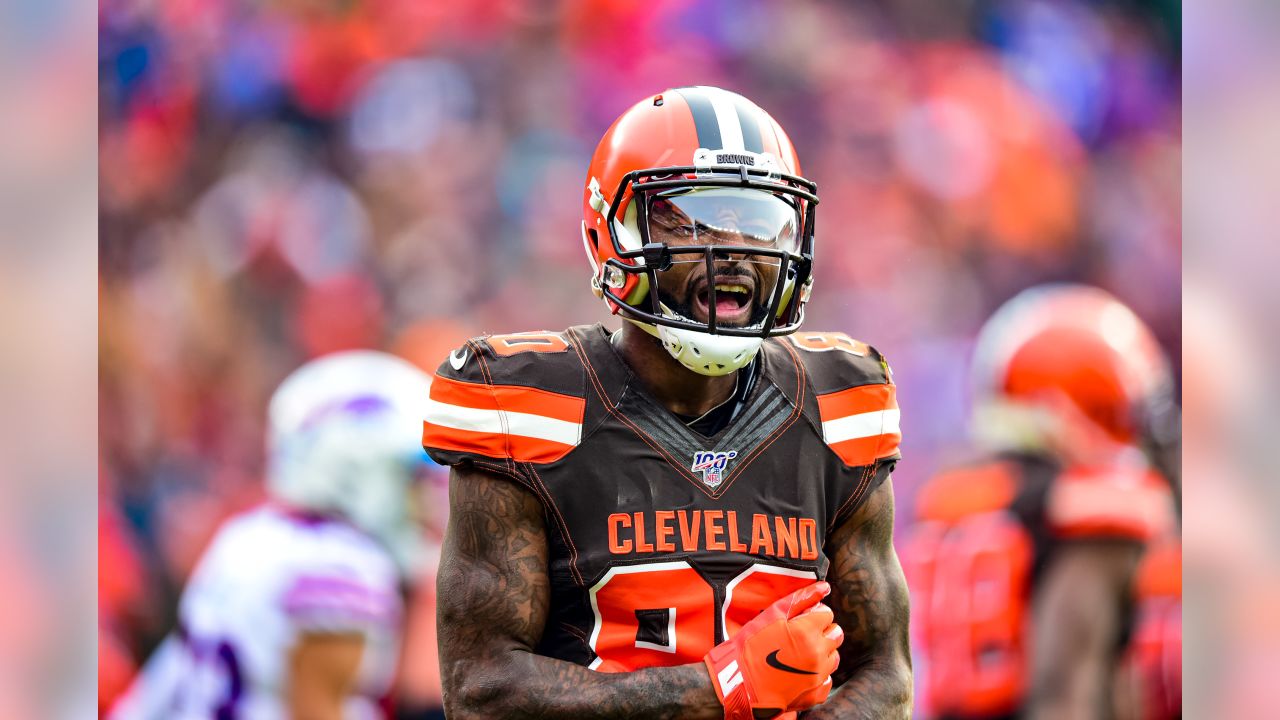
(493, 600)
(869, 597)
(540, 687)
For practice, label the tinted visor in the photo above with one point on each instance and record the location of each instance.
(724, 216)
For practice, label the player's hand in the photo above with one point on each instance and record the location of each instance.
(780, 661)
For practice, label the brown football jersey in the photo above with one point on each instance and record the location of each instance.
(662, 541)
(983, 535)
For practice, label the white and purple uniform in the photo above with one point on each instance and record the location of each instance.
(268, 576)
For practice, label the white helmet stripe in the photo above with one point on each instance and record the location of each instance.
(749, 118)
(727, 117)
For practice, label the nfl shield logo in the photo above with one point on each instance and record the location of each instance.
(712, 465)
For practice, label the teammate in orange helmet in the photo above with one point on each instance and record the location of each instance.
(645, 522)
(1021, 562)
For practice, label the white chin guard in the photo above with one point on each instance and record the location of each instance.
(704, 353)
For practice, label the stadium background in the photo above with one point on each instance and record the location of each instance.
(283, 179)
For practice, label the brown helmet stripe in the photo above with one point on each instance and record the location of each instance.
(704, 117)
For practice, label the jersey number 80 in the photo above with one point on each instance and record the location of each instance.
(662, 614)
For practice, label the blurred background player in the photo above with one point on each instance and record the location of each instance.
(1023, 563)
(294, 611)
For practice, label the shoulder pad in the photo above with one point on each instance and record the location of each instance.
(857, 400)
(836, 361)
(508, 397)
(545, 360)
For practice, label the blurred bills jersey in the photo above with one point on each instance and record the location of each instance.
(663, 541)
(268, 577)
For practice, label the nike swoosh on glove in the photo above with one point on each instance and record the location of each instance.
(780, 661)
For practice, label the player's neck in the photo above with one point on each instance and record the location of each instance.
(679, 389)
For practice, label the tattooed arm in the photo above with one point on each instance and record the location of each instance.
(493, 596)
(869, 596)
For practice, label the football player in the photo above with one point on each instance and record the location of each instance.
(645, 522)
(1022, 561)
(294, 609)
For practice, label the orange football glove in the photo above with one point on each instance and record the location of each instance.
(780, 661)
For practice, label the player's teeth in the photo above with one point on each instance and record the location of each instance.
(731, 288)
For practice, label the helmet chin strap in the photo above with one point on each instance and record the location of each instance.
(704, 353)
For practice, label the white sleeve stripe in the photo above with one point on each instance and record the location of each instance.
(502, 422)
(862, 425)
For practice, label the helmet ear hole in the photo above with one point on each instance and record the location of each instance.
(594, 237)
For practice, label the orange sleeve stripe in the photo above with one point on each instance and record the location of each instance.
(509, 398)
(857, 400)
(864, 451)
(494, 445)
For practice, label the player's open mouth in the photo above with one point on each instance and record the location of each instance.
(733, 300)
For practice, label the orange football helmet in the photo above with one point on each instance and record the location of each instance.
(727, 171)
(1075, 350)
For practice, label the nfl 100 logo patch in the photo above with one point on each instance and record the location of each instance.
(712, 465)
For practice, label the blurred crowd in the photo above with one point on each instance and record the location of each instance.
(281, 179)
